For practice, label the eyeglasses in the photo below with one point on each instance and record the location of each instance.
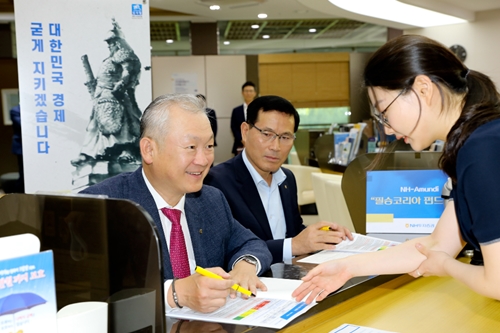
(269, 136)
(380, 116)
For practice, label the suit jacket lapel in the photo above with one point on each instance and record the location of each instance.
(287, 208)
(250, 194)
(196, 224)
(139, 193)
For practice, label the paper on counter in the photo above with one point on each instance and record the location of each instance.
(360, 244)
(274, 308)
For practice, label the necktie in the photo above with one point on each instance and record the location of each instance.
(178, 253)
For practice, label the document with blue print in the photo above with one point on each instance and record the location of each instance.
(274, 308)
(359, 244)
(349, 328)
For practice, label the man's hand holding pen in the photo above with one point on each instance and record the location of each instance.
(201, 293)
(319, 236)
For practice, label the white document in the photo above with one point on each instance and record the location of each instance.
(274, 308)
(359, 244)
(349, 328)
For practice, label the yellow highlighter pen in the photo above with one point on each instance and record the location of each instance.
(235, 286)
(325, 228)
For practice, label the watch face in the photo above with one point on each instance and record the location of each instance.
(250, 260)
(459, 51)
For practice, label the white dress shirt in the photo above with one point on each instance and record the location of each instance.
(245, 107)
(167, 227)
(271, 200)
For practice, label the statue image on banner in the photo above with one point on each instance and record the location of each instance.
(111, 143)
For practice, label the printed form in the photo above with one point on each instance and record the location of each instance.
(274, 308)
(359, 244)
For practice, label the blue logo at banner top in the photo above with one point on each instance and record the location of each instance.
(136, 10)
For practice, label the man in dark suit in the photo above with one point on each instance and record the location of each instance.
(263, 195)
(177, 150)
(238, 115)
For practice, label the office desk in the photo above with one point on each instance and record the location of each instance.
(408, 305)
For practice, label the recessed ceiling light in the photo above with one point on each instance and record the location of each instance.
(312, 30)
(170, 41)
(214, 7)
(262, 16)
(265, 36)
(255, 26)
(226, 42)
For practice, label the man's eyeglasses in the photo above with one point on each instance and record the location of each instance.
(269, 136)
(380, 116)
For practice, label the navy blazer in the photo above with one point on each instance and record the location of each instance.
(217, 238)
(237, 117)
(234, 180)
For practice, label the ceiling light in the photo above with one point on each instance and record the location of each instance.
(312, 30)
(255, 26)
(226, 42)
(262, 16)
(265, 36)
(214, 7)
(392, 10)
(170, 41)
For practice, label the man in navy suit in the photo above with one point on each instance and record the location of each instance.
(238, 115)
(177, 150)
(263, 195)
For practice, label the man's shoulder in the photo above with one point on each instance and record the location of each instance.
(112, 186)
(221, 172)
(208, 193)
(238, 108)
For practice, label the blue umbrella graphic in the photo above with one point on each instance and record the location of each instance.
(14, 303)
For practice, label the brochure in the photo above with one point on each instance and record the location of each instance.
(28, 294)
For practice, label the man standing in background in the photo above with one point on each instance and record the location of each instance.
(239, 115)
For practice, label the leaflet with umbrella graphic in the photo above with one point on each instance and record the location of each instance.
(27, 294)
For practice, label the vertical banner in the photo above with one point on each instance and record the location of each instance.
(84, 80)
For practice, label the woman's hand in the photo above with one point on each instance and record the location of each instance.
(433, 265)
(322, 280)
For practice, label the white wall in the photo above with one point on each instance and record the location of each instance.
(219, 78)
(480, 38)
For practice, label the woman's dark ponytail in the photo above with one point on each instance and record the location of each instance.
(481, 105)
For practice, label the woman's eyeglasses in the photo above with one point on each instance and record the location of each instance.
(380, 116)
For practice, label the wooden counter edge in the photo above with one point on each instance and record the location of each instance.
(348, 305)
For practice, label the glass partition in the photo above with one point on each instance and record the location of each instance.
(104, 250)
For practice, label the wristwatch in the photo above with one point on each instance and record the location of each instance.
(250, 260)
